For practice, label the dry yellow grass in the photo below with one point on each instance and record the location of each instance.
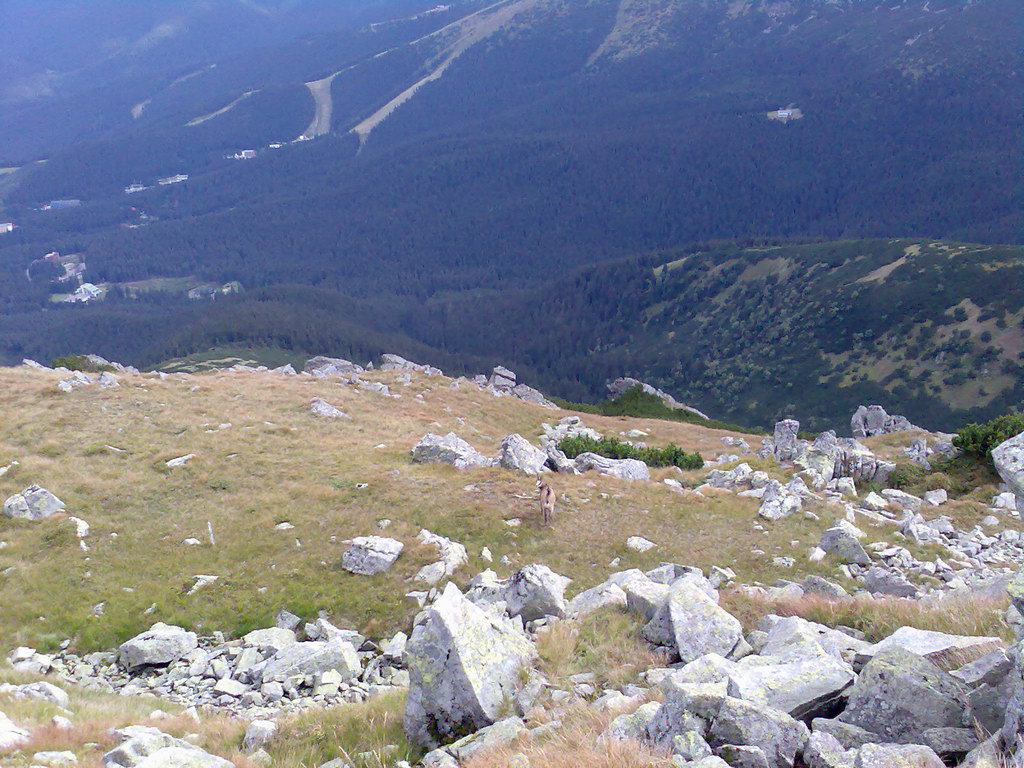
(880, 617)
(573, 745)
(104, 452)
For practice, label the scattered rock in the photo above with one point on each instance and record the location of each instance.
(158, 646)
(370, 555)
(34, 503)
(450, 449)
(518, 454)
(872, 421)
(320, 407)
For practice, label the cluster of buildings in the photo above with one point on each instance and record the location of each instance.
(136, 187)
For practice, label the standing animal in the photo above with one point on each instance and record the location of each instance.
(547, 501)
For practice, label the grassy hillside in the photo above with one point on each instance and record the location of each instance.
(262, 459)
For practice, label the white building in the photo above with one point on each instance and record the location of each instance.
(86, 292)
(131, 189)
(173, 180)
(6, 226)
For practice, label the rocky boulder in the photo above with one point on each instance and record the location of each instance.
(535, 592)
(450, 449)
(321, 366)
(323, 409)
(843, 541)
(1009, 460)
(313, 658)
(519, 455)
(776, 734)
(692, 624)
(778, 502)
(464, 666)
(900, 696)
(624, 469)
(370, 555)
(11, 736)
(802, 689)
(159, 646)
(786, 444)
(34, 503)
(390, 362)
(872, 421)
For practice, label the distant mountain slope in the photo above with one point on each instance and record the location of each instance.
(934, 330)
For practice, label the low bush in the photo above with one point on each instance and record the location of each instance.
(613, 448)
(978, 440)
(79, 363)
(642, 405)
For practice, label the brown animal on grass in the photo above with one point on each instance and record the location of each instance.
(547, 502)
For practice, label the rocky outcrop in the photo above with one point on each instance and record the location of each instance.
(624, 469)
(390, 362)
(1008, 458)
(162, 644)
(34, 503)
(535, 592)
(786, 442)
(370, 555)
(518, 454)
(872, 421)
(691, 624)
(323, 409)
(321, 366)
(464, 665)
(450, 449)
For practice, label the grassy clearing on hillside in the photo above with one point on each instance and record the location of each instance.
(104, 451)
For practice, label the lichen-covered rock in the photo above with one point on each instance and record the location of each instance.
(321, 366)
(624, 469)
(518, 454)
(872, 421)
(450, 449)
(160, 645)
(786, 442)
(843, 542)
(937, 647)
(745, 723)
(778, 502)
(183, 757)
(897, 756)
(900, 695)
(34, 503)
(312, 658)
(323, 409)
(802, 689)
(693, 624)
(371, 555)
(535, 592)
(11, 736)
(632, 726)
(464, 666)
(1008, 458)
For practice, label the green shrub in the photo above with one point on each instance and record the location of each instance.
(642, 405)
(613, 448)
(978, 440)
(79, 363)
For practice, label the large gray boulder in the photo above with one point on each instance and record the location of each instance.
(802, 689)
(1012, 733)
(900, 696)
(937, 647)
(321, 366)
(450, 449)
(370, 555)
(518, 454)
(692, 624)
(323, 409)
(535, 592)
(624, 469)
(313, 658)
(744, 723)
(897, 756)
(390, 362)
(786, 443)
(1009, 460)
(778, 502)
(464, 666)
(138, 742)
(595, 599)
(11, 736)
(34, 503)
(843, 542)
(872, 421)
(160, 645)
